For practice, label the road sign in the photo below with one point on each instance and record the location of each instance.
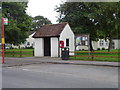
(5, 21)
(3, 41)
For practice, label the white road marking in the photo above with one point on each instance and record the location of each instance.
(9, 67)
(26, 69)
(98, 78)
(73, 75)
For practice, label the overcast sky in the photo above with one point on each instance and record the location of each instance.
(44, 8)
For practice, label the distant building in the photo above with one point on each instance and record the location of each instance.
(28, 43)
(101, 43)
(115, 43)
(49, 37)
(30, 40)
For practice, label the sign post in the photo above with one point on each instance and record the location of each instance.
(83, 40)
(4, 22)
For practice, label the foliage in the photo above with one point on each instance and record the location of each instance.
(100, 20)
(19, 22)
(103, 48)
(75, 13)
(31, 47)
(98, 48)
(108, 17)
(38, 21)
(82, 49)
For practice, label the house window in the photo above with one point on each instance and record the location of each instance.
(101, 42)
(28, 43)
(113, 45)
(67, 42)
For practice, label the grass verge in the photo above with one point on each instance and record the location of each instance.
(98, 53)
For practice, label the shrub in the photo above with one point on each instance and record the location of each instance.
(79, 49)
(103, 48)
(11, 48)
(29, 47)
(98, 48)
(82, 49)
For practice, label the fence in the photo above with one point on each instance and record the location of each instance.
(18, 53)
(113, 56)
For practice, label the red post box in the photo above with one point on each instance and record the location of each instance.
(61, 44)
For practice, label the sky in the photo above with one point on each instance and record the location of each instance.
(44, 8)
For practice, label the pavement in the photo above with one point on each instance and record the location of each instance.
(10, 62)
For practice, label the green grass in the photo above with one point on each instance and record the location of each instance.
(98, 54)
(29, 53)
(18, 52)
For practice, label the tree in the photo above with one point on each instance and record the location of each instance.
(108, 18)
(100, 20)
(16, 31)
(38, 21)
(77, 15)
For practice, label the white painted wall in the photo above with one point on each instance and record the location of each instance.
(104, 44)
(30, 40)
(81, 47)
(67, 33)
(117, 43)
(39, 47)
(95, 44)
(54, 46)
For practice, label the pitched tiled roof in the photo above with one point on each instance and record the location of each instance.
(52, 30)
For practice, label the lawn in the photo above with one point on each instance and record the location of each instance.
(98, 56)
(18, 52)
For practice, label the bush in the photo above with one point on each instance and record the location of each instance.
(98, 48)
(82, 49)
(11, 48)
(103, 48)
(29, 47)
(79, 50)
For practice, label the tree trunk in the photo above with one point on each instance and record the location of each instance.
(91, 47)
(110, 44)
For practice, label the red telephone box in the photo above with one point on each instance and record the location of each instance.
(61, 44)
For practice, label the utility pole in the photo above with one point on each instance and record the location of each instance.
(4, 22)
(3, 41)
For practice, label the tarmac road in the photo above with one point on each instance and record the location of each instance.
(59, 76)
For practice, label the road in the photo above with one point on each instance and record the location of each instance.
(59, 76)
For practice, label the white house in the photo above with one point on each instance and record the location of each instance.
(30, 40)
(48, 38)
(28, 43)
(115, 43)
(101, 43)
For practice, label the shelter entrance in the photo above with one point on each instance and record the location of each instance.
(47, 46)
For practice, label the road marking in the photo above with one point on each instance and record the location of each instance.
(9, 67)
(98, 78)
(25, 69)
(73, 75)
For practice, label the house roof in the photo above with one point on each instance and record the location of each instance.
(52, 30)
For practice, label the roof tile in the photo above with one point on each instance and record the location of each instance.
(52, 30)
